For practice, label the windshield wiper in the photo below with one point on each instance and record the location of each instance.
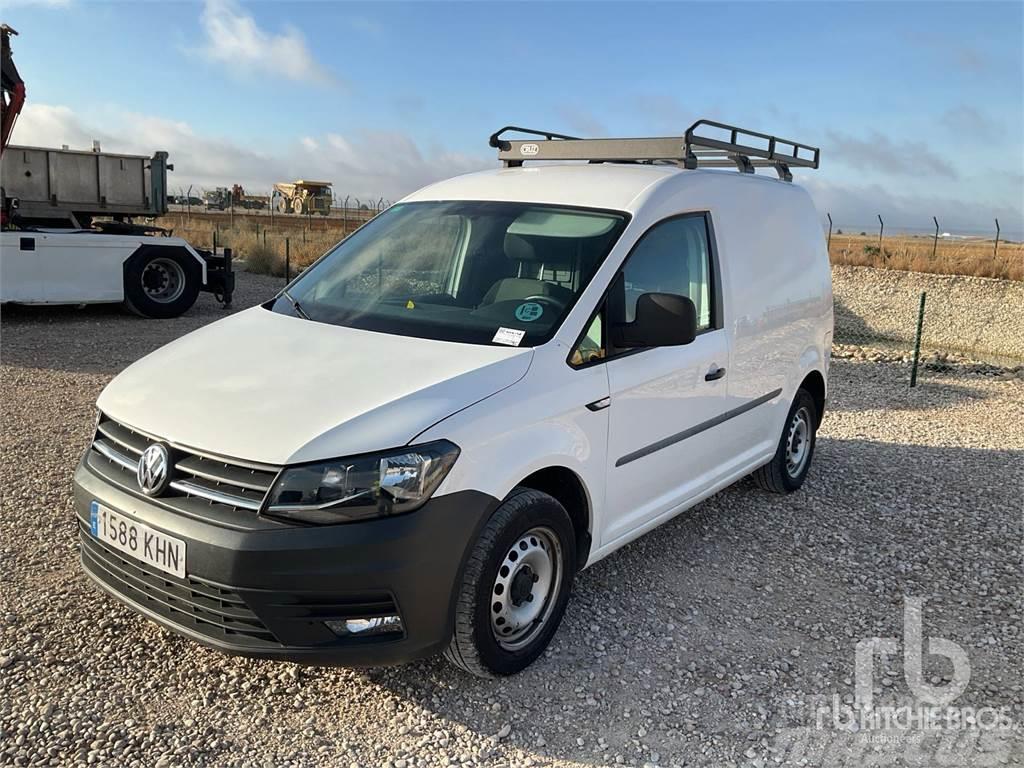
(295, 305)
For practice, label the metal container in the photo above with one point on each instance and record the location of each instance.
(55, 184)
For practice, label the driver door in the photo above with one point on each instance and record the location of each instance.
(661, 449)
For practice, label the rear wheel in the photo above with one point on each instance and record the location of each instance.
(515, 586)
(788, 468)
(161, 282)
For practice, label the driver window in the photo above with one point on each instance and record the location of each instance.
(672, 257)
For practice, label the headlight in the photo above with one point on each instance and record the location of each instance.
(362, 487)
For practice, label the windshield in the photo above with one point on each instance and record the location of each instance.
(478, 272)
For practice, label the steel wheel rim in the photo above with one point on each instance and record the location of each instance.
(163, 280)
(526, 588)
(798, 442)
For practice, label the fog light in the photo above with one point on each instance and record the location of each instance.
(378, 625)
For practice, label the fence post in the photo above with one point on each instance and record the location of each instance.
(935, 242)
(917, 341)
(287, 262)
(215, 241)
(881, 229)
(829, 244)
(995, 251)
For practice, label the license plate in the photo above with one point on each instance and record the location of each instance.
(140, 541)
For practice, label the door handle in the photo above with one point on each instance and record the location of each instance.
(714, 374)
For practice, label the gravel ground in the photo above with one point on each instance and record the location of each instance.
(977, 316)
(699, 645)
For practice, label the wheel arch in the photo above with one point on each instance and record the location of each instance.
(568, 489)
(814, 383)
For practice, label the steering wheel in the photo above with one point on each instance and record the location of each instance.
(545, 300)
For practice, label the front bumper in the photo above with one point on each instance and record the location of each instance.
(268, 592)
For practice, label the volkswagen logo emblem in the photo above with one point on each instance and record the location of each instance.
(154, 472)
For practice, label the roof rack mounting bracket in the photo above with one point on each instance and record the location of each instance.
(743, 163)
(783, 170)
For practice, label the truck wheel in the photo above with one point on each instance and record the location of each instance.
(161, 282)
(282, 204)
(297, 206)
(786, 471)
(515, 586)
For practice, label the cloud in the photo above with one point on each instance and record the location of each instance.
(858, 206)
(580, 121)
(878, 152)
(365, 165)
(969, 59)
(233, 38)
(664, 113)
(970, 125)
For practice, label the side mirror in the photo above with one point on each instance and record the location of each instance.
(662, 320)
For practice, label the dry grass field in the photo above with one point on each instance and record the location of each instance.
(914, 254)
(260, 240)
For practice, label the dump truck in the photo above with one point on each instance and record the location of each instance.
(303, 197)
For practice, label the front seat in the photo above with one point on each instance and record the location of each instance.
(519, 251)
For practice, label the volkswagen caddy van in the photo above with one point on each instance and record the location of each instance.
(500, 380)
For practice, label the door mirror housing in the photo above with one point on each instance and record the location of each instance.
(662, 320)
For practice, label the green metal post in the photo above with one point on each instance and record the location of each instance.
(917, 341)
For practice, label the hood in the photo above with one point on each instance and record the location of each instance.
(275, 389)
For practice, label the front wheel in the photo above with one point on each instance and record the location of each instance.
(788, 468)
(515, 586)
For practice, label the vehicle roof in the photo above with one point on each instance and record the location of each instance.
(615, 186)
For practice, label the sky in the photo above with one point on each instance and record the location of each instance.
(918, 107)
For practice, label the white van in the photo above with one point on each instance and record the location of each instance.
(493, 384)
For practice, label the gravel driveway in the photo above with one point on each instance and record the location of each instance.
(700, 644)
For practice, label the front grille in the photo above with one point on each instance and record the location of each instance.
(230, 485)
(199, 605)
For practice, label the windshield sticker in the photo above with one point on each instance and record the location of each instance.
(508, 336)
(529, 312)
(410, 305)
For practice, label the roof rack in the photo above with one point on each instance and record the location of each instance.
(746, 150)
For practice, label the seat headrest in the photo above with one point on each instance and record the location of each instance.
(518, 248)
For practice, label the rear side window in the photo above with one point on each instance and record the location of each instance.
(672, 257)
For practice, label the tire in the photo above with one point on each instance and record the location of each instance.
(527, 530)
(788, 468)
(161, 282)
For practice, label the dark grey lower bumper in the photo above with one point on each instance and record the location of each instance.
(268, 592)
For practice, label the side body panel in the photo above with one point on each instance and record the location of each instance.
(71, 267)
(541, 421)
